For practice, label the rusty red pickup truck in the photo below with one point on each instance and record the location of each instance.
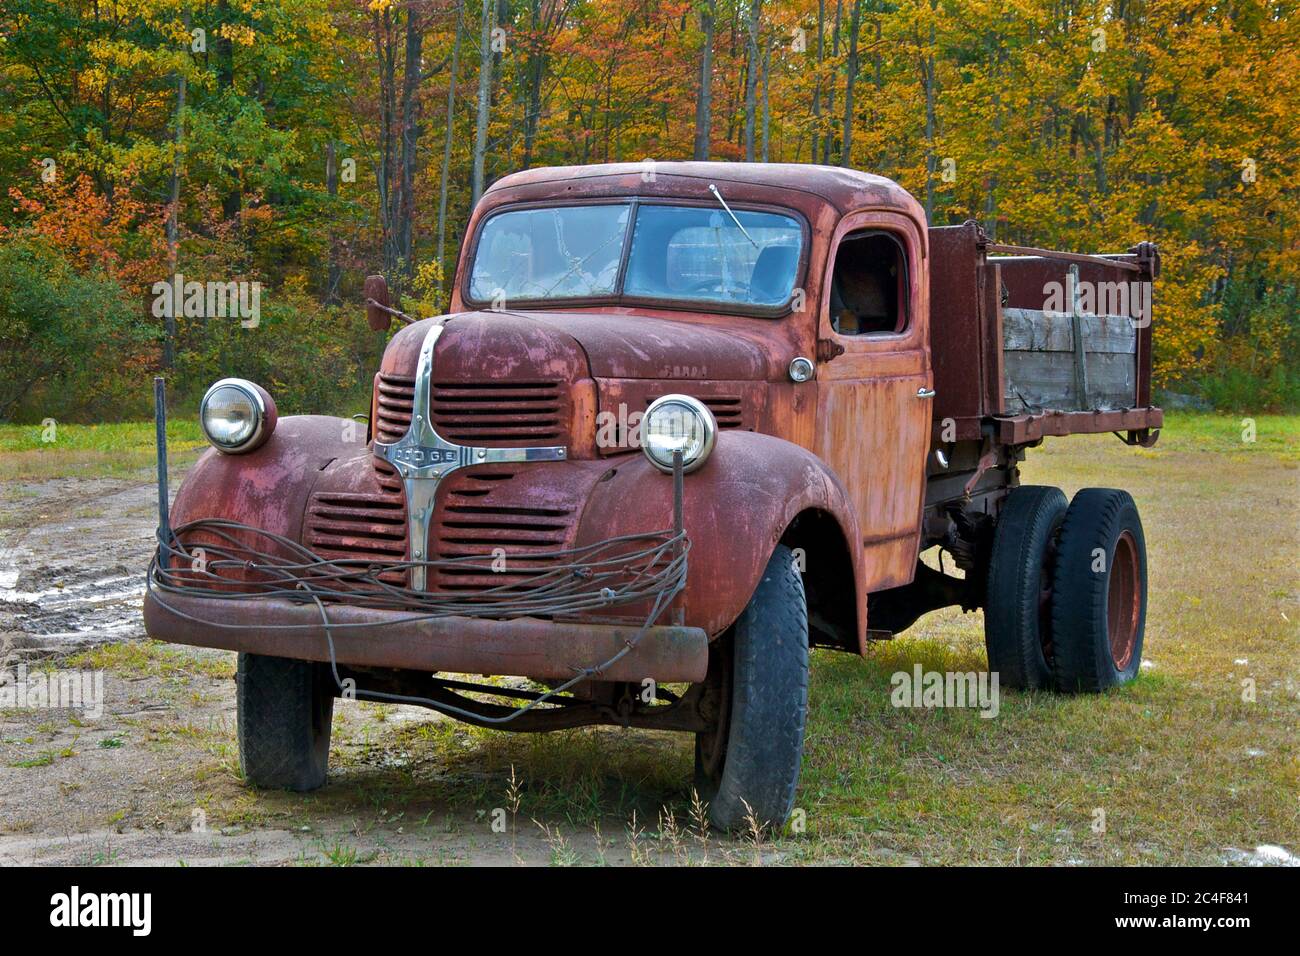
(682, 423)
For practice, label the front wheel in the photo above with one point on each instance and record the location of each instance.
(283, 711)
(747, 767)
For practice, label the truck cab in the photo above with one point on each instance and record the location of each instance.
(681, 423)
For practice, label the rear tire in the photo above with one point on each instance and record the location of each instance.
(749, 766)
(1017, 612)
(284, 711)
(1100, 592)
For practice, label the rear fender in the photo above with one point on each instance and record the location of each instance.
(738, 507)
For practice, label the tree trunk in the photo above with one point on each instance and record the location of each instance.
(233, 200)
(333, 272)
(817, 87)
(927, 73)
(411, 77)
(384, 171)
(828, 141)
(173, 219)
(446, 146)
(534, 70)
(484, 102)
(751, 76)
(851, 71)
(767, 76)
(703, 101)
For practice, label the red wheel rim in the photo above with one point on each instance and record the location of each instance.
(1123, 600)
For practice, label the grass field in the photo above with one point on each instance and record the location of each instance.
(35, 452)
(1181, 766)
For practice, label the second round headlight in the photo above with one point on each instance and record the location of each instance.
(236, 415)
(678, 423)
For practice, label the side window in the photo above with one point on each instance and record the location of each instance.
(869, 284)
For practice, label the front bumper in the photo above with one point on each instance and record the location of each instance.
(374, 637)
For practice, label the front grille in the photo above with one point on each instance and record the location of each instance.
(394, 400)
(477, 515)
(726, 410)
(499, 413)
(359, 525)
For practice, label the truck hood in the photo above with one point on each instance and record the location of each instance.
(639, 346)
(614, 345)
(566, 346)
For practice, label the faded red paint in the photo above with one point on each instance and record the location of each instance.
(836, 464)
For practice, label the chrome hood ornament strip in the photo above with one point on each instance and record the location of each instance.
(423, 458)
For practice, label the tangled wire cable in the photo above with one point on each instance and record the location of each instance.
(216, 558)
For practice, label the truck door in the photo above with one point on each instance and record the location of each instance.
(875, 398)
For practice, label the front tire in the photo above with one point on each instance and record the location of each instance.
(284, 711)
(1100, 592)
(748, 767)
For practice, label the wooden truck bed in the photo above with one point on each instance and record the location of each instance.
(1027, 343)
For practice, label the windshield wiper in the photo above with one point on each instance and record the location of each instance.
(714, 189)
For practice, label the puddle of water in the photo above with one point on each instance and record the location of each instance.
(1264, 855)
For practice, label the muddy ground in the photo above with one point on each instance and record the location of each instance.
(72, 553)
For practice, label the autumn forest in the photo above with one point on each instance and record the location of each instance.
(303, 144)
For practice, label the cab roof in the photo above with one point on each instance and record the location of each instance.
(844, 189)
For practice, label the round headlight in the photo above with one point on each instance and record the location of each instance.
(678, 423)
(236, 415)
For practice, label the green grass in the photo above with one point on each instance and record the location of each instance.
(1278, 435)
(127, 448)
(149, 658)
(120, 450)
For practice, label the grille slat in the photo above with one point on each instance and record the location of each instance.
(728, 410)
(361, 526)
(498, 413)
(492, 521)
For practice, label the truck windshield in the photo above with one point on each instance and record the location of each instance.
(692, 254)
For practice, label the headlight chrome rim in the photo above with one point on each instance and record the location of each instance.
(263, 406)
(696, 408)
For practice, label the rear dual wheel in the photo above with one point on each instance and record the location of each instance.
(1066, 600)
(1099, 592)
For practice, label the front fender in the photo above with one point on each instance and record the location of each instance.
(737, 508)
(269, 487)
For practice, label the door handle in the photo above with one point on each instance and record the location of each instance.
(924, 392)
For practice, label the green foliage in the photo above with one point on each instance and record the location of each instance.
(1085, 127)
(1238, 389)
(313, 359)
(62, 338)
